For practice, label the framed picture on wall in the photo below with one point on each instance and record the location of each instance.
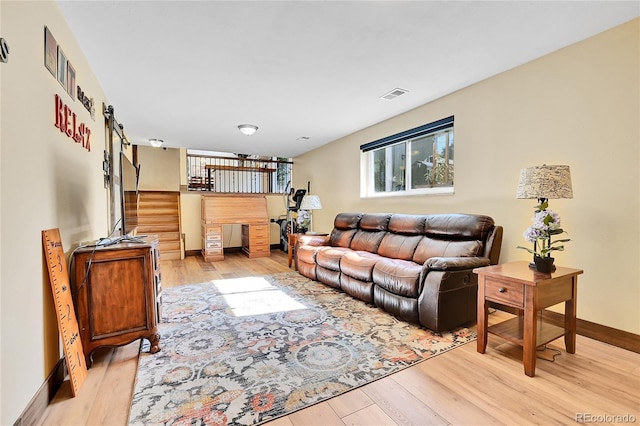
(62, 68)
(50, 51)
(71, 80)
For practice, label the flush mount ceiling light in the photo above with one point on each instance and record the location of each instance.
(247, 129)
(156, 143)
(393, 94)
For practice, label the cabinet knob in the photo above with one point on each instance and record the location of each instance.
(502, 290)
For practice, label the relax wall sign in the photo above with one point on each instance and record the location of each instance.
(66, 121)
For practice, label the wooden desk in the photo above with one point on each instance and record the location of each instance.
(250, 211)
(515, 285)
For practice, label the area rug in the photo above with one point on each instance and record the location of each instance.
(248, 350)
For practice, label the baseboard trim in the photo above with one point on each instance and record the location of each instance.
(34, 411)
(227, 250)
(612, 336)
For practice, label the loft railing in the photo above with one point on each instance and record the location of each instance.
(238, 174)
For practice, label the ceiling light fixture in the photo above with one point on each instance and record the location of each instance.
(247, 129)
(156, 143)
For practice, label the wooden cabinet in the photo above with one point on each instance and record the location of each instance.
(117, 293)
(255, 240)
(212, 242)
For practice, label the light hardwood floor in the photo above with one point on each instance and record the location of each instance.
(460, 387)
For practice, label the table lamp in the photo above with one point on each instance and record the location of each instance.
(544, 183)
(310, 203)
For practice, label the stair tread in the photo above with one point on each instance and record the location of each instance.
(159, 214)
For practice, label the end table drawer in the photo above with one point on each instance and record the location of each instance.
(503, 292)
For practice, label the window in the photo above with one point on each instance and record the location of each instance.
(416, 161)
(237, 173)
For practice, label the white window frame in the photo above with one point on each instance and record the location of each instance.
(367, 181)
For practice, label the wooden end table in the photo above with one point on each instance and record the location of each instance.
(516, 285)
(293, 239)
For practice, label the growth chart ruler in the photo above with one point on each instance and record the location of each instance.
(67, 321)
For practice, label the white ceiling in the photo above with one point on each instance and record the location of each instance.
(189, 72)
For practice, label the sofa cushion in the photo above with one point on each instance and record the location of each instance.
(397, 246)
(362, 290)
(344, 228)
(329, 257)
(407, 224)
(458, 226)
(341, 237)
(367, 241)
(404, 308)
(347, 220)
(328, 277)
(359, 264)
(397, 276)
(374, 221)
(307, 269)
(307, 254)
(430, 247)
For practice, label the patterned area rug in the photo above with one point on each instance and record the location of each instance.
(248, 350)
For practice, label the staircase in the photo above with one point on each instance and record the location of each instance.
(159, 214)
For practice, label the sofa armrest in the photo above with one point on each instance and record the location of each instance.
(448, 297)
(454, 263)
(313, 240)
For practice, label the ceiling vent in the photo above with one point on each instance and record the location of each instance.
(393, 94)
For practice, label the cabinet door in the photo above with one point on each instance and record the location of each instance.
(118, 296)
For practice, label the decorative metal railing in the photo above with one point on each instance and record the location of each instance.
(238, 174)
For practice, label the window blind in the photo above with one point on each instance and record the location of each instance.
(408, 134)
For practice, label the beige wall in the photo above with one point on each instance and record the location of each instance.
(578, 106)
(47, 181)
(165, 173)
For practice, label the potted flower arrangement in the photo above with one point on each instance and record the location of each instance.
(546, 223)
(304, 220)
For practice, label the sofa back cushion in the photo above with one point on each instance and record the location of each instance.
(344, 228)
(431, 247)
(397, 246)
(458, 226)
(372, 229)
(405, 232)
(453, 235)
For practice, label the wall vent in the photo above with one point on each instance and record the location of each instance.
(393, 94)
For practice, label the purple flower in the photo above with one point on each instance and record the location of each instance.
(545, 224)
(531, 234)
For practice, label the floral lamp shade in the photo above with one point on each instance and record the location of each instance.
(311, 202)
(547, 182)
(305, 219)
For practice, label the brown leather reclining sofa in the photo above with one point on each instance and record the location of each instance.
(416, 267)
